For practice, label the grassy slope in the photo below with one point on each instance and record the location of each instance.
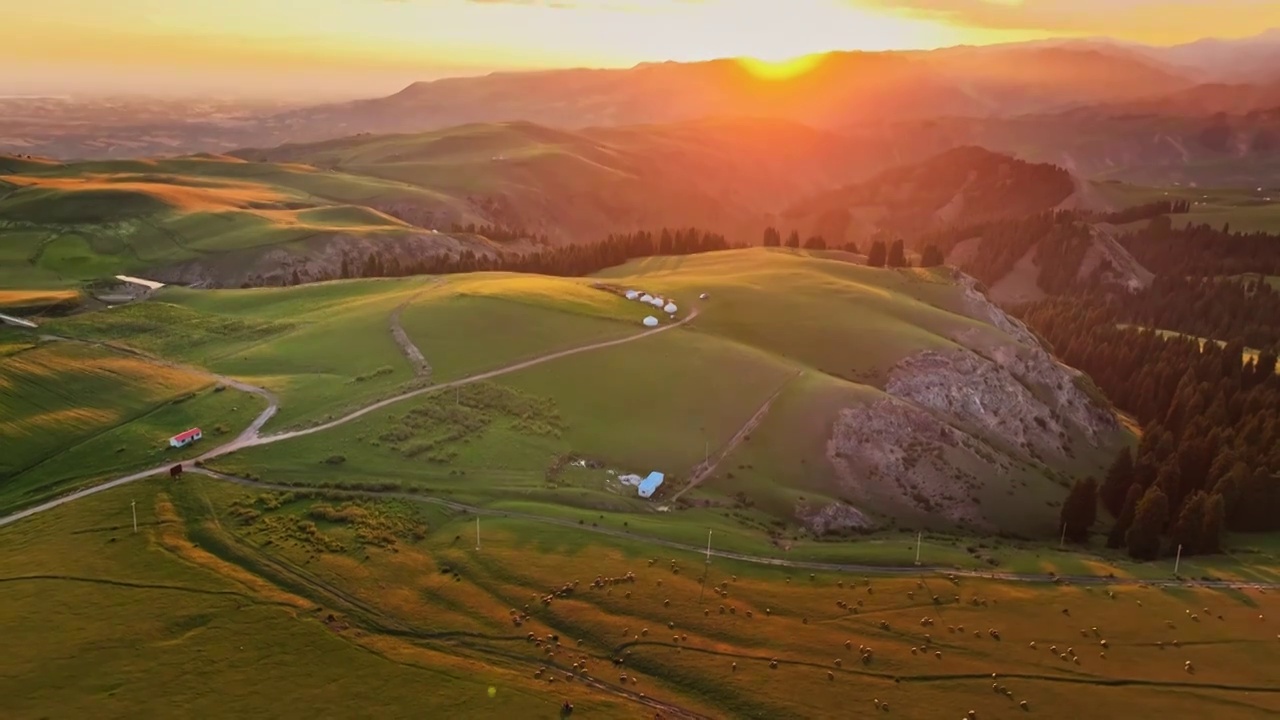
(75, 413)
(1245, 209)
(252, 593)
(70, 223)
(660, 403)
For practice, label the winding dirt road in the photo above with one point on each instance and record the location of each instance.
(251, 436)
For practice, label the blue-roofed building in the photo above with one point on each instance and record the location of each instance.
(650, 484)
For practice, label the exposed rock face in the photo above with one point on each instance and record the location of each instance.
(894, 452)
(1121, 268)
(990, 405)
(832, 518)
(981, 308)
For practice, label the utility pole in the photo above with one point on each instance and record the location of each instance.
(133, 504)
(1177, 561)
(706, 570)
(477, 532)
(919, 536)
(1063, 542)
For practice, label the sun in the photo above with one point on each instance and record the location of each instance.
(781, 69)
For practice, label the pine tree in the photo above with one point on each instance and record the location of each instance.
(1143, 537)
(897, 255)
(1215, 518)
(1079, 510)
(815, 242)
(1186, 530)
(931, 256)
(772, 238)
(1116, 485)
(793, 240)
(1115, 539)
(876, 256)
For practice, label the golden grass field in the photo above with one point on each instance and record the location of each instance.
(231, 586)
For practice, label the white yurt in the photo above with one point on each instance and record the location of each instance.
(651, 321)
(632, 294)
(657, 302)
(670, 309)
(646, 298)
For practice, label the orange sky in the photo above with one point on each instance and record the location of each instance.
(368, 47)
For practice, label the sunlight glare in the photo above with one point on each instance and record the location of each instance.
(768, 69)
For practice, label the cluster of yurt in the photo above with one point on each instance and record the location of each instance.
(666, 305)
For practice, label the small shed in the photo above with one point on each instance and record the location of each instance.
(651, 321)
(650, 484)
(185, 438)
(670, 309)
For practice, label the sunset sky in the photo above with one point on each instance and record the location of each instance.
(367, 47)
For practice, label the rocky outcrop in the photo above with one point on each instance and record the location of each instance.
(892, 452)
(833, 518)
(984, 408)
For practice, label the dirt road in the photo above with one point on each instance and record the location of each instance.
(421, 367)
(251, 436)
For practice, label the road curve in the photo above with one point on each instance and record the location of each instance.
(251, 436)
(277, 437)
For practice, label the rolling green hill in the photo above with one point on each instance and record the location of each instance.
(213, 220)
(853, 359)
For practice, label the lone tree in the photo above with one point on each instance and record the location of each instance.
(897, 255)
(1143, 538)
(876, 256)
(1116, 485)
(1080, 510)
(931, 256)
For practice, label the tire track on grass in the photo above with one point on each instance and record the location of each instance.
(705, 468)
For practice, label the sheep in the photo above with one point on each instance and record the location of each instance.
(1023, 704)
(1102, 656)
(838, 662)
(773, 664)
(750, 614)
(848, 644)
(706, 613)
(734, 667)
(959, 628)
(671, 626)
(666, 603)
(831, 675)
(938, 654)
(913, 651)
(1104, 644)
(768, 611)
(644, 632)
(1033, 644)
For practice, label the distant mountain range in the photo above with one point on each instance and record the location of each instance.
(1206, 112)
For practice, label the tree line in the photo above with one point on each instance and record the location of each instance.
(1202, 250)
(1247, 310)
(563, 261)
(1209, 458)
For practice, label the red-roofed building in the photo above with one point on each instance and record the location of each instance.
(184, 439)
